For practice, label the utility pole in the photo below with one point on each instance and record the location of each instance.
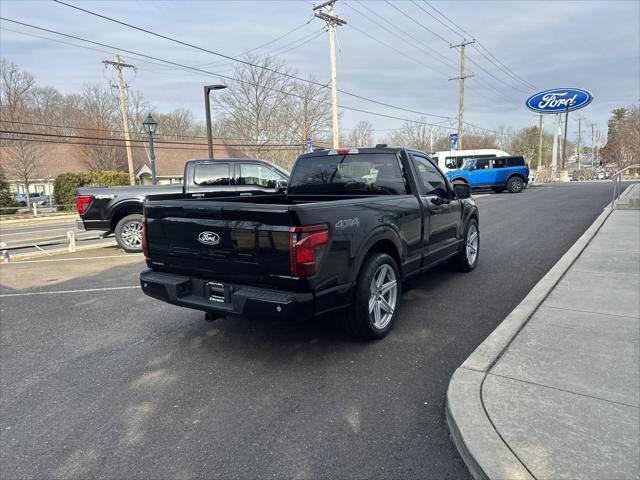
(118, 65)
(462, 77)
(332, 23)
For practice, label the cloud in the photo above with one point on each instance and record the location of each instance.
(593, 45)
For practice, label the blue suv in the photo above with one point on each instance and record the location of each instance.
(498, 173)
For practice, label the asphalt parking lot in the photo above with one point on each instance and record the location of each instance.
(98, 380)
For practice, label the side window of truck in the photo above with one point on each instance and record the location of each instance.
(499, 162)
(515, 162)
(255, 174)
(430, 177)
(482, 164)
(212, 174)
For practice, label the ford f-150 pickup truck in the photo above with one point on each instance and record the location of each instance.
(119, 209)
(352, 225)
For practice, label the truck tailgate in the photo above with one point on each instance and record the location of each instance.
(229, 241)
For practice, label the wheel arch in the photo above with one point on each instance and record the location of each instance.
(515, 174)
(384, 241)
(124, 209)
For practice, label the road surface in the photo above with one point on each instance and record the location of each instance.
(98, 380)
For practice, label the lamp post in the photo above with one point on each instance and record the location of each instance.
(207, 108)
(150, 126)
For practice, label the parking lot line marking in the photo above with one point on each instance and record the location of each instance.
(19, 262)
(57, 292)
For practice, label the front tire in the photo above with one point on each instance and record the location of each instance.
(128, 233)
(515, 185)
(467, 259)
(377, 297)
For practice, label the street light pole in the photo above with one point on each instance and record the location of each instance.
(152, 158)
(207, 109)
(150, 125)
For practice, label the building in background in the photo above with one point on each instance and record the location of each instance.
(56, 159)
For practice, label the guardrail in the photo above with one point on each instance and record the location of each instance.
(7, 213)
(617, 183)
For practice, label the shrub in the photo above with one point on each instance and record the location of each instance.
(6, 198)
(66, 184)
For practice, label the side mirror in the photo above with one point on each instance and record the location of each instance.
(281, 185)
(463, 190)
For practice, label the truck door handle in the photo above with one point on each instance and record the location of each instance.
(440, 201)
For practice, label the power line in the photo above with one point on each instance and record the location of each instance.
(417, 45)
(418, 23)
(271, 42)
(505, 67)
(91, 129)
(228, 57)
(84, 137)
(62, 142)
(169, 62)
(436, 18)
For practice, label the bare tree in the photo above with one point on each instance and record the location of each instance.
(361, 135)
(98, 115)
(415, 134)
(22, 156)
(179, 122)
(255, 106)
(309, 111)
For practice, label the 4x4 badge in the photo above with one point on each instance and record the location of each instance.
(209, 238)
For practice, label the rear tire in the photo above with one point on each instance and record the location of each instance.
(467, 259)
(515, 184)
(128, 233)
(377, 296)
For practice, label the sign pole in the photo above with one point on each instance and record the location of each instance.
(540, 143)
(564, 142)
(554, 154)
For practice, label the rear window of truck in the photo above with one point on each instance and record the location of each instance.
(365, 173)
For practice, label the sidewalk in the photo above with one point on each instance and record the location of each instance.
(554, 391)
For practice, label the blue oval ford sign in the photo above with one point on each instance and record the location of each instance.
(559, 100)
(209, 238)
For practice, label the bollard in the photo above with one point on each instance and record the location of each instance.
(71, 236)
(35, 210)
(5, 256)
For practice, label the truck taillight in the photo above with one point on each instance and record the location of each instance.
(307, 246)
(82, 203)
(143, 239)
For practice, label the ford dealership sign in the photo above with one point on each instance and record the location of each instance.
(559, 100)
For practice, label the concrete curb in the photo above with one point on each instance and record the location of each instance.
(484, 452)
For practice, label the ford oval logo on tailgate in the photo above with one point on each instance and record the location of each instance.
(209, 238)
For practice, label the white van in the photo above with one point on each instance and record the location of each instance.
(453, 159)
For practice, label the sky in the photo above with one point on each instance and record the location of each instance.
(395, 52)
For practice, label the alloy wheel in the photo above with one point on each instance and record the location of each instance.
(383, 296)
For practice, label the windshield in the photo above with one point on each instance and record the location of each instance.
(469, 164)
(365, 173)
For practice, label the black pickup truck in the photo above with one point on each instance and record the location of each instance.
(352, 225)
(119, 209)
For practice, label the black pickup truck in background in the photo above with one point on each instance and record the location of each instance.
(119, 209)
(352, 225)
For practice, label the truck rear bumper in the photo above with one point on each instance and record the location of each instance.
(238, 300)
